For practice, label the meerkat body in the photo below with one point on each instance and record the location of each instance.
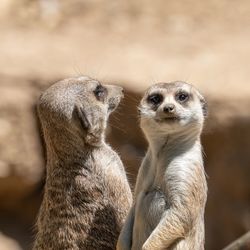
(171, 189)
(87, 195)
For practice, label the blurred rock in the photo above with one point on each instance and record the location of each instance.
(5, 8)
(21, 162)
(227, 161)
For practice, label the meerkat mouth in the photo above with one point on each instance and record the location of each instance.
(111, 107)
(168, 119)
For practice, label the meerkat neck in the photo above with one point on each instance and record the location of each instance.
(173, 144)
(64, 147)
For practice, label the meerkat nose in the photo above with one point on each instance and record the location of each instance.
(119, 88)
(122, 91)
(169, 108)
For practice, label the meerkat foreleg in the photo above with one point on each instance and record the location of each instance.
(125, 238)
(126, 235)
(172, 227)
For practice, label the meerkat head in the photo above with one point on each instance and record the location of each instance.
(172, 107)
(79, 106)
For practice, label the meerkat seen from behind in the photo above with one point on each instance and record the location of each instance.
(171, 188)
(87, 195)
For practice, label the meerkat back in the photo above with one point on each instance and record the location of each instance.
(87, 194)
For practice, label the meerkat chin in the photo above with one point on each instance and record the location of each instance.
(171, 189)
(87, 194)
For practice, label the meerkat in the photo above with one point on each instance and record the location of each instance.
(171, 190)
(87, 195)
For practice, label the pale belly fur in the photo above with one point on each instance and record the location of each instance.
(149, 209)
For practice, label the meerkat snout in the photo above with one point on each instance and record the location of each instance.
(169, 108)
(116, 93)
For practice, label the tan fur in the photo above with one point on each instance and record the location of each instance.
(87, 195)
(171, 189)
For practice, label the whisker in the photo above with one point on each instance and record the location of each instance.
(132, 98)
(116, 119)
(118, 128)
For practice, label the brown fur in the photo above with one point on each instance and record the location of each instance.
(87, 195)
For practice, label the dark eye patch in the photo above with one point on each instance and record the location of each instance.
(182, 96)
(100, 92)
(155, 99)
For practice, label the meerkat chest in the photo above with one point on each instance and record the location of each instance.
(108, 161)
(151, 206)
(152, 200)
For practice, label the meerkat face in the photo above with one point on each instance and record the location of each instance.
(172, 107)
(81, 104)
(95, 102)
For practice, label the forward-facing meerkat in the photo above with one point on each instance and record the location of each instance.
(87, 194)
(171, 189)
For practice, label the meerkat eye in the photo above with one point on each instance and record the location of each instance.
(182, 97)
(155, 99)
(100, 92)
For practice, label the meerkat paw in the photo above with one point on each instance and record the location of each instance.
(146, 247)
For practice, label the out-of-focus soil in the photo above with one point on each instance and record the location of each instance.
(134, 44)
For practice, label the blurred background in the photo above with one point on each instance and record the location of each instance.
(133, 43)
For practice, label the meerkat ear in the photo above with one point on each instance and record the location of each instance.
(82, 117)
